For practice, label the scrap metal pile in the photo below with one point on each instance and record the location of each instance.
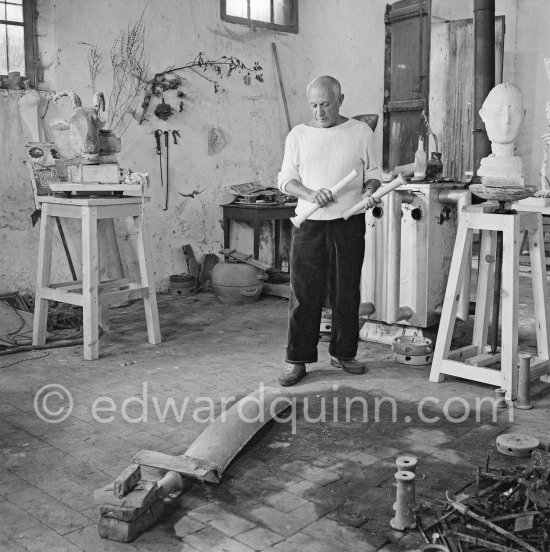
(509, 511)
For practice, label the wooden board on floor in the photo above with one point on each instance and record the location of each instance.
(277, 290)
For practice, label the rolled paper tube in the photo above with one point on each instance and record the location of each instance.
(297, 220)
(380, 193)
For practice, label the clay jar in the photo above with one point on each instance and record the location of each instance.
(234, 283)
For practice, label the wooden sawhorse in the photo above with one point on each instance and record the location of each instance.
(89, 293)
(471, 362)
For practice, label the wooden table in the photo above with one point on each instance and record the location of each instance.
(255, 214)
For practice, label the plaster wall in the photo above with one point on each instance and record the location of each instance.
(532, 48)
(341, 37)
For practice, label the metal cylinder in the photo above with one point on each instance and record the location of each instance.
(484, 73)
(496, 294)
(406, 463)
(394, 258)
(501, 398)
(524, 382)
(404, 504)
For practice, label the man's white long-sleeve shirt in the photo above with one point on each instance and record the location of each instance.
(321, 157)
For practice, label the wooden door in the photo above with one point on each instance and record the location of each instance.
(458, 119)
(406, 82)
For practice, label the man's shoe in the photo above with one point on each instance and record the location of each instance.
(351, 366)
(292, 374)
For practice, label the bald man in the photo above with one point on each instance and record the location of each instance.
(327, 251)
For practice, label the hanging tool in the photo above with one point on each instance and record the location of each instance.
(158, 134)
(166, 142)
(174, 134)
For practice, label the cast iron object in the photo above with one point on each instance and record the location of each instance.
(517, 444)
(412, 345)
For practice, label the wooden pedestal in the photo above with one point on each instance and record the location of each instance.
(90, 293)
(472, 362)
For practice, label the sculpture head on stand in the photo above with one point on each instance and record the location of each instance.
(502, 113)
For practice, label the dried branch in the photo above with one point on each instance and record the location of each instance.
(129, 62)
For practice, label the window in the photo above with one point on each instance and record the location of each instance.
(16, 37)
(281, 15)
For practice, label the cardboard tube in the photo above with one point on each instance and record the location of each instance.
(297, 220)
(380, 193)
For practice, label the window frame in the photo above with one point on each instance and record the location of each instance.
(29, 41)
(292, 28)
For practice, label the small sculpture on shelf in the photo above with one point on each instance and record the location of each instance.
(84, 124)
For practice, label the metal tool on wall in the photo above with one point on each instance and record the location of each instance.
(158, 134)
(166, 143)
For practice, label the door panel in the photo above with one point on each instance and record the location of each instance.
(406, 79)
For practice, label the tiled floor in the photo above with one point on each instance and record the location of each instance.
(327, 485)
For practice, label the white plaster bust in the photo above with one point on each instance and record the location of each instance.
(502, 112)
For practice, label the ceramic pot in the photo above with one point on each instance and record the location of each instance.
(234, 283)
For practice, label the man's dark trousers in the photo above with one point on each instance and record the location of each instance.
(325, 253)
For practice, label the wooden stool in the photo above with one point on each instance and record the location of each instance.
(471, 362)
(91, 294)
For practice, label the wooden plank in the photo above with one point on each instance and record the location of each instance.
(147, 277)
(68, 297)
(463, 353)
(181, 464)
(277, 290)
(243, 257)
(281, 85)
(94, 201)
(510, 303)
(43, 278)
(95, 187)
(483, 359)
(94, 173)
(452, 296)
(124, 295)
(457, 127)
(90, 283)
(485, 286)
(473, 373)
(540, 289)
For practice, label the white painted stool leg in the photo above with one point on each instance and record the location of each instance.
(452, 295)
(147, 278)
(540, 287)
(90, 283)
(43, 275)
(510, 306)
(485, 286)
